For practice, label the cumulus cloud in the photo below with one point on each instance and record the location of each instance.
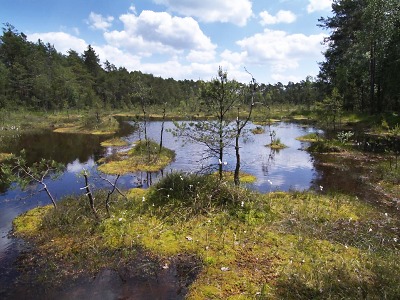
(275, 45)
(279, 52)
(317, 5)
(283, 16)
(62, 41)
(232, 11)
(159, 32)
(97, 21)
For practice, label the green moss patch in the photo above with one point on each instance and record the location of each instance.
(229, 176)
(114, 142)
(144, 156)
(258, 130)
(311, 137)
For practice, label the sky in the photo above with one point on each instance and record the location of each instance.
(274, 40)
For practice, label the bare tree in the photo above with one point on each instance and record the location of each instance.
(240, 125)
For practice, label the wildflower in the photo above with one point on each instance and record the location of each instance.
(370, 230)
(120, 219)
(321, 188)
(386, 214)
(168, 196)
(181, 178)
(242, 204)
(395, 240)
(143, 199)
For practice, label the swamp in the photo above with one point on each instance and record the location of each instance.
(320, 223)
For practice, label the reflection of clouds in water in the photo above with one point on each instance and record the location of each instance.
(76, 166)
(293, 162)
(276, 180)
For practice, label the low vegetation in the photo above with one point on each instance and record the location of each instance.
(114, 142)
(144, 156)
(279, 245)
(276, 144)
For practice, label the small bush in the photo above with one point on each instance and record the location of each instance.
(199, 193)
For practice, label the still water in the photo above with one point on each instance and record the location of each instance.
(289, 168)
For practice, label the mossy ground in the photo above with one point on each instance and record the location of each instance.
(114, 142)
(258, 130)
(144, 156)
(276, 145)
(279, 245)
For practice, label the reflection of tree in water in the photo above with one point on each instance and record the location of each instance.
(270, 160)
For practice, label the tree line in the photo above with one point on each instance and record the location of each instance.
(360, 72)
(38, 77)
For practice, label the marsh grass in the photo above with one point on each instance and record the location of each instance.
(5, 156)
(279, 245)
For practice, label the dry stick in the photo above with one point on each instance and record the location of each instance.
(40, 181)
(114, 185)
(90, 195)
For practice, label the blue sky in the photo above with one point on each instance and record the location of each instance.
(276, 40)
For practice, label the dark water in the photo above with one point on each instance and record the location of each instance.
(289, 168)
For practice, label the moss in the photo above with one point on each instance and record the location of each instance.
(277, 145)
(114, 142)
(28, 224)
(258, 130)
(311, 137)
(229, 176)
(139, 158)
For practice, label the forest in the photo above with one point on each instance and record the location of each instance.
(361, 62)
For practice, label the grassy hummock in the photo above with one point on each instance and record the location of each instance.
(298, 245)
(276, 144)
(144, 156)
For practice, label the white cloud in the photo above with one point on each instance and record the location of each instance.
(200, 56)
(118, 57)
(97, 21)
(283, 16)
(275, 45)
(317, 5)
(159, 32)
(232, 11)
(62, 41)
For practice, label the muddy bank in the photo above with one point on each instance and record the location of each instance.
(353, 173)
